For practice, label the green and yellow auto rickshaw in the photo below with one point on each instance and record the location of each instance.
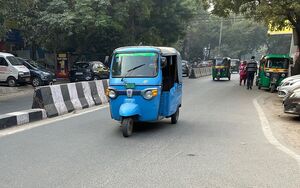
(273, 68)
(235, 65)
(221, 68)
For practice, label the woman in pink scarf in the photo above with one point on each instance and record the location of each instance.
(243, 72)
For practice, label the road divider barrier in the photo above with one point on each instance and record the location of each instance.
(22, 117)
(65, 98)
(200, 72)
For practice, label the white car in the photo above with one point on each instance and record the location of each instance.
(12, 71)
(288, 86)
(287, 81)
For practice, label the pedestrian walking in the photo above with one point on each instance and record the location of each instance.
(243, 72)
(251, 72)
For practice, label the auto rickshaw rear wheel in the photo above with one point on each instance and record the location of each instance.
(127, 127)
(273, 88)
(174, 117)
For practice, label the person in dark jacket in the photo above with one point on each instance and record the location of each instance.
(251, 72)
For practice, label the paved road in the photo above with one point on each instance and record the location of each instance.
(218, 142)
(16, 102)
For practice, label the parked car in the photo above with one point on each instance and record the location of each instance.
(288, 79)
(39, 75)
(287, 87)
(185, 67)
(86, 71)
(291, 102)
(12, 71)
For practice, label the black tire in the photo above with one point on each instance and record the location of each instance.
(127, 127)
(174, 117)
(96, 78)
(259, 86)
(273, 88)
(36, 82)
(12, 82)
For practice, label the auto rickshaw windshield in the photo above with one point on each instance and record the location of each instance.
(278, 63)
(135, 65)
(219, 62)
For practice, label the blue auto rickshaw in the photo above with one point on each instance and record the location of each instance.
(145, 85)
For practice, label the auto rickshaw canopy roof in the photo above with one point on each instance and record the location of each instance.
(272, 56)
(165, 51)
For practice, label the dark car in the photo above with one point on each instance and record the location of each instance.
(291, 102)
(86, 71)
(185, 67)
(39, 75)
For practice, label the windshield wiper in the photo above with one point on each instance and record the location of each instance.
(131, 70)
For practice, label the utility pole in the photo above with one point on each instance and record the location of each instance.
(220, 38)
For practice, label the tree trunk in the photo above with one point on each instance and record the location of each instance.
(298, 35)
(33, 51)
(297, 61)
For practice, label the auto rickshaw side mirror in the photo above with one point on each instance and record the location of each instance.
(163, 62)
(106, 61)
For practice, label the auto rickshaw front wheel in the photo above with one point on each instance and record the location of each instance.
(127, 127)
(174, 117)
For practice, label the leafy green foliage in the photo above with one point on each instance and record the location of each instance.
(239, 37)
(274, 12)
(97, 26)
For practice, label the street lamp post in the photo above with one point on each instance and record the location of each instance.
(220, 37)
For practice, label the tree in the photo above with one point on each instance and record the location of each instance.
(240, 36)
(274, 12)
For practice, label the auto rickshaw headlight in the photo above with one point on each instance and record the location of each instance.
(149, 94)
(283, 75)
(268, 74)
(112, 94)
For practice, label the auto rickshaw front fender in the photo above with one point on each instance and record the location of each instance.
(129, 108)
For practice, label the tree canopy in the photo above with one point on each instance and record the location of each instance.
(274, 12)
(96, 25)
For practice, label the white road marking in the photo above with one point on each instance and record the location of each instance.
(26, 127)
(269, 135)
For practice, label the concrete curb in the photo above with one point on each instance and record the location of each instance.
(21, 117)
(65, 98)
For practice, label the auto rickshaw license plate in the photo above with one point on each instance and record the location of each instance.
(130, 85)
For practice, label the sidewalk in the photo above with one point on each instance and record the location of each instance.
(7, 91)
(20, 90)
(285, 127)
